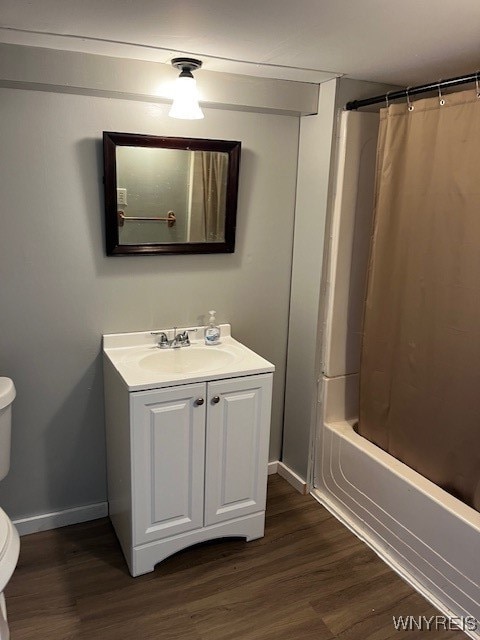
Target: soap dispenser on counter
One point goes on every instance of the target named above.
(212, 332)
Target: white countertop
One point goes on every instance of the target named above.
(126, 351)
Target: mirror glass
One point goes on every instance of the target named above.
(170, 195)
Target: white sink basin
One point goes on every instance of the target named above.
(187, 360)
(143, 365)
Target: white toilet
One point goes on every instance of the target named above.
(9, 540)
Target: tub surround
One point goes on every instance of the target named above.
(315, 188)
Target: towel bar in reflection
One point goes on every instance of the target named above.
(170, 219)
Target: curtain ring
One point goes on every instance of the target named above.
(441, 98)
(477, 83)
(386, 98)
(409, 103)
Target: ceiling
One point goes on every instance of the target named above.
(401, 42)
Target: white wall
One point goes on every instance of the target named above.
(60, 293)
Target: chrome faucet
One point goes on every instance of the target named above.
(181, 339)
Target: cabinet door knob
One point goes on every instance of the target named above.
(215, 399)
(199, 401)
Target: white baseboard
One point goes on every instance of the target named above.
(291, 477)
(57, 519)
(46, 521)
(272, 467)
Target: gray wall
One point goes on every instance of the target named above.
(316, 135)
(59, 292)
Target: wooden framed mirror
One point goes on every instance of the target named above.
(168, 195)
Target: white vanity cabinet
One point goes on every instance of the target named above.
(200, 455)
(187, 462)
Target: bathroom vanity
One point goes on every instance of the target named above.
(187, 442)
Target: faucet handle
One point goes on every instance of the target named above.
(183, 339)
(187, 333)
(162, 338)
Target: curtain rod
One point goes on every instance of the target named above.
(412, 91)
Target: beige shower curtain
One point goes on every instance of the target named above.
(210, 174)
(420, 371)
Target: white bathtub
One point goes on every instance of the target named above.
(425, 534)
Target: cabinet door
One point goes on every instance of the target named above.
(238, 430)
(168, 451)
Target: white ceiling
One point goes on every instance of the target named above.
(402, 42)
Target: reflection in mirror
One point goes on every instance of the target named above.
(191, 185)
(170, 195)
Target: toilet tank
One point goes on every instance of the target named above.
(7, 396)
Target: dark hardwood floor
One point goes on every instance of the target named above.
(308, 578)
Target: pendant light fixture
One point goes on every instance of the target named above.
(185, 102)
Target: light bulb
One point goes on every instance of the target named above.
(185, 103)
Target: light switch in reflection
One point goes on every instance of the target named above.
(121, 197)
